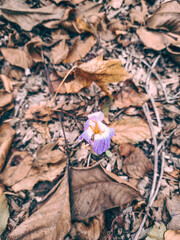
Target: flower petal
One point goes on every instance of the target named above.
(87, 134)
(96, 116)
(101, 144)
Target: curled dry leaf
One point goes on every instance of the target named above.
(20, 13)
(167, 17)
(137, 165)
(125, 149)
(6, 137)
(6, 83)
(172, 235)
(131, 130)
(5, 102)
(51, 221)
(59, 52)
(23, 173)
(138, 13)
(79, 49)
(130, 96)
(101, 72)
(33, 48)
(173, 207)
(4, 210)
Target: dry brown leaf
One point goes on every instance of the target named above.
(59, 52)
(4, 210)
(175, 146)
(33, 48)
(130, 96)
(138, 13)
(79, 49)
(42, 129)
(51, 221)
(17, 57)
(39, 112)
(137, 165)
(174, 52)
(6, 83)
(101, 72)
(116, 3)
(90, 230)
(125, 149)
(173, 207)
(15, 73)
(20, 13)
(167, 17)
(23, 173)
(46, 154)
(172, 235)
(156, 40)
(94, 190)
(131, 130)
(6, 137)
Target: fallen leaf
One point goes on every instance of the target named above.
(33, 48)
(17, 57)
(79, 49)
(156, 232)
(22, 172)
(156, 40)
(27, 18)
(6, 137)
(59, 52)
(6, 83)
(173, 207)
(174, 51)
(175, 146)
(130, 96)
(39, 112)
(42, 129)
(51, 221)
(4, 210)
(5, 99)
(138, 13)
(94, 190)
(101, 72)
(166, 17)
(131, 130)
(125, 149)
(116, 3)
(137, 165)
(172, 235)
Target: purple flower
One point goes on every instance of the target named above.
(97, 133)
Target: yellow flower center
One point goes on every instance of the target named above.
(96, 129)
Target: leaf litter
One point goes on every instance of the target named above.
(86, 51)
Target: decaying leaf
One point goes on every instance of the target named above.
(42, 129)
(94, 190)
(6, 137)
(138, 13)
(156, 40)
(116, 3)
(6, 83)
(4, 210)
(137, 165)
(20, 13)
(172, 235)
(156, 232)
(175, 147)
(59, 52)
(5, 102)
(125, 149)
(17, 57)
(167, 17)
(173, 207)
(33, 48)
(101, 72)
(88, 230)
(79, 49)
(23, 173)
(51, 221)
(39, 112)
(131, 130)
(130, 96)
